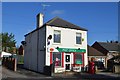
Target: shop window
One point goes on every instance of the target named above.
(57, 59)
(78, 59)
(78, 38)
(57, 36)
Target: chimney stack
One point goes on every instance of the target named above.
(40, 20)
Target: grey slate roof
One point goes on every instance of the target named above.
(110, 46)
(93, 52)
(58, 22)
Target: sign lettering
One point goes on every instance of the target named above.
(70, 50)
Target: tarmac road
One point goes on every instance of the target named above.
(23, 74)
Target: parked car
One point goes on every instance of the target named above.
(99, 64)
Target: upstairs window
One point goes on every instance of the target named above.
(78, 38)
(57, 36)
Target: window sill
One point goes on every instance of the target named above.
(56, 43)
(58, 66)
(78, 44)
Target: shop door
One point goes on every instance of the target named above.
(67, 62)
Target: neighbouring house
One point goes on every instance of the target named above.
(114, 64)
(20, 56)
(97, 55)
(110, 49)
(21, 50)
(55, 46)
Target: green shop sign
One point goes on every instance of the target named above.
(70, 50)
(78, 62)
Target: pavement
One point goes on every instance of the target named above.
(23, 74)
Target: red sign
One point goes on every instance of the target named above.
(51, 49)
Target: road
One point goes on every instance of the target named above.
(23, 74)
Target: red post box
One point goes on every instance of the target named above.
(91, 69)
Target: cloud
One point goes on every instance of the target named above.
(55, 12)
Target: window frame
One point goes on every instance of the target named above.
(80, 39)
(56, 53)
(54, 37)
(77, 59)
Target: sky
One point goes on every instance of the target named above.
(99, 18)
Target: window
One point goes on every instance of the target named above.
(67, 58)
(78, 38)
(57, 59)
(78, 59)
(57, 36)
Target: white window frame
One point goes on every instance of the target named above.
(60, 56)
(54, 37)
(76, 38)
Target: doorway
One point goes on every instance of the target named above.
(67, 61)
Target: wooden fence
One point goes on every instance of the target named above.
(10, 63)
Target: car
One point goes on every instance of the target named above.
(99, 64)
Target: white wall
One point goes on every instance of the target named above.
(34, 57)
(68, 40)
(41, 49)
(30, 60)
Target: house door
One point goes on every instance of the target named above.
(67, 61)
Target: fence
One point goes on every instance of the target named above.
(10, 63)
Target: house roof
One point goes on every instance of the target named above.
(93, 52)
(58, 22)
(110, 46)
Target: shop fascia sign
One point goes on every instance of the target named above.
(70, 50)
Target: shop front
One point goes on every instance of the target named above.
(67, 59)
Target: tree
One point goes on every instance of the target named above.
(8, 42)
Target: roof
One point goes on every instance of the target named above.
(93, 52)
(110, 46)
(58, 22)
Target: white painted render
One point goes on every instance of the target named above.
(34, 57)
(68, 40)
(30, 56)
(41, 49)
(37, 55)
(40, 20)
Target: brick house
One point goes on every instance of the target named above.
(97, 55)
(110, 49)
